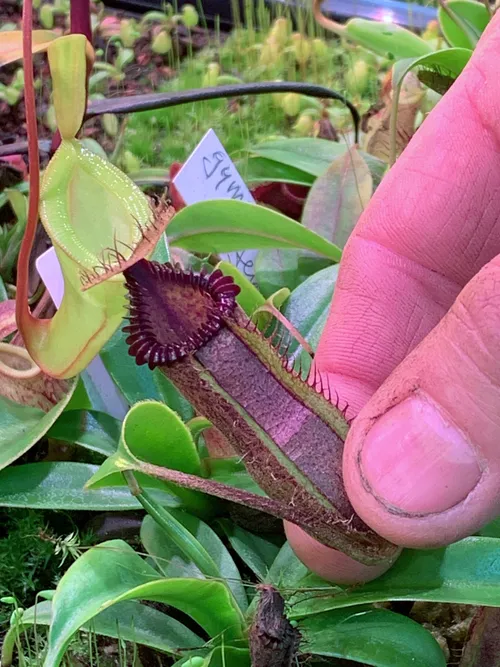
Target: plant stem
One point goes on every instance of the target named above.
(181, 537)
(80, 18)
(23, 315)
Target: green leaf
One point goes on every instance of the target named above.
(60, 486)
(262, 170)
(276, 268)
(93, 430)
(287, 570)
(249, 297)
(491, 529)
(309, 304)
(153, 433)
(113, 572)
(150, 176)
(171, 562)
(21, 426)
(3, 291)
(450, 62)
(128, 621)
(138, 383)
(232, 472)
(226, 225)
(313, 156)
(473, 15)
(467, 572)
(338, 197)
(371, 636)
(257, 552)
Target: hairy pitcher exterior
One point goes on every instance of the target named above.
(289, 435)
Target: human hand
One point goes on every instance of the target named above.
(412, 343)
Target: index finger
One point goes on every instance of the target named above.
(432, 224)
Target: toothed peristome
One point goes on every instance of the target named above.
(174, 312)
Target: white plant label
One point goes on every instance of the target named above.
(209, 173)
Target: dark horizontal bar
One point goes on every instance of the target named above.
(134, 103)
(409, 14)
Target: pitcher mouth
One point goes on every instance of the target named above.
(174, 312)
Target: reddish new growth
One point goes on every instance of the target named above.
(174, 312)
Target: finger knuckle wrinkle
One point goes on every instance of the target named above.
(478, 306)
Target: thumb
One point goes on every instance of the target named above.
(422, 459)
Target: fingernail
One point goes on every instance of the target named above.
(414, 459)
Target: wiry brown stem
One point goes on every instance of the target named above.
(23, 314)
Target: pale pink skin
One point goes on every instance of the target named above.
(415, 326)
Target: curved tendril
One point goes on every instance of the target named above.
(325, 22)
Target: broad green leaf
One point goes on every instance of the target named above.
(96, 431)
(3, 290)
(474, 16)
(287, 570)
(113, 572)
(338, 197)
(22, 426)
(372, 637)
(386, 39)
(61, 486)
(449, 61)
(249, 297)
(226, 225)
(128, 621)
(153, 433)
(232, 472)
(81, 398)
(491, 529)
(309, 304)
(171, 562)
(313, 156)
(276, 268)
(11, 43)
(138, 383)
(467, 572)
(263, 170)
(256, 551)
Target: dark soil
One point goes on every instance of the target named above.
(144, 75)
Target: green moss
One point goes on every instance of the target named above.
(27, 562)
(164, 136)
